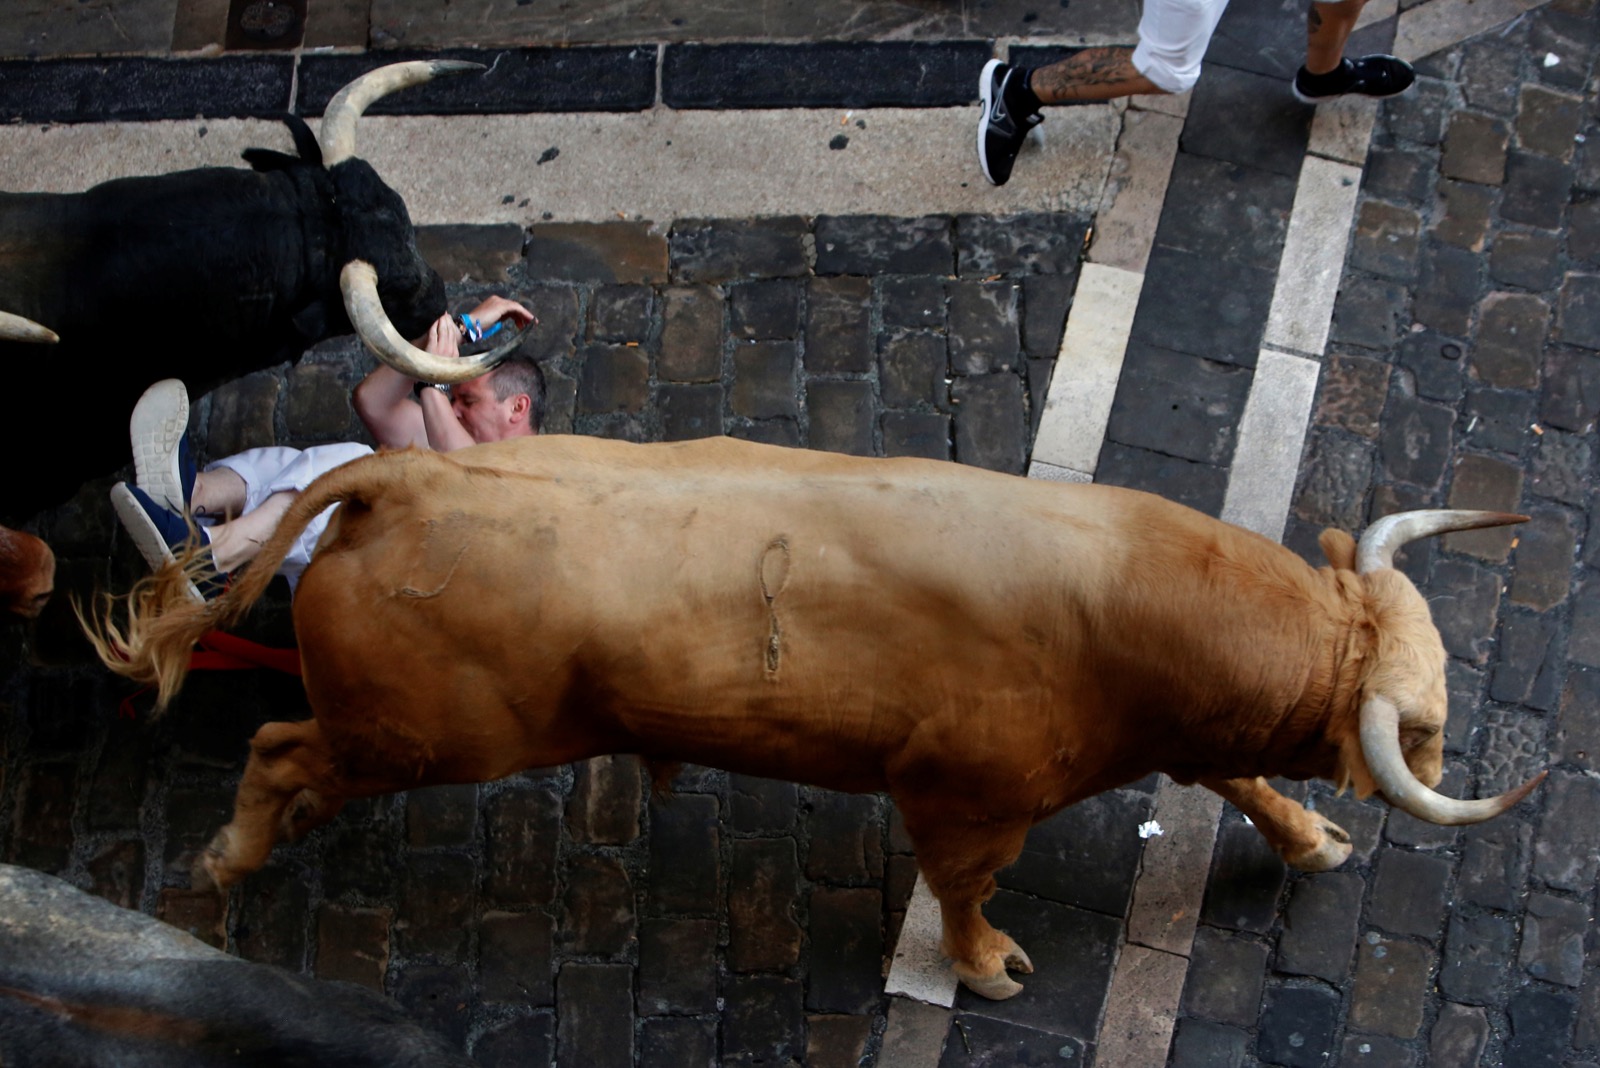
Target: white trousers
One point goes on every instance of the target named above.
(280, 469)
(1173, 35)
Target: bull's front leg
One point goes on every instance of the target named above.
(1304, 839)
(959, 861)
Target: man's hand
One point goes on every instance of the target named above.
(443, 337)
(494, 309)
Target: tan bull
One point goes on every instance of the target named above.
(985, 648)
(27, 574)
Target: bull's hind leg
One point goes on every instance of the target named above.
(286, 760)
(1304, 839)
(959, 862)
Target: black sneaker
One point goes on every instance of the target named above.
(1000, 130)
(1375, 76)
(158, 533)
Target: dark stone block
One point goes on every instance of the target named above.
(1563, 467)
(1528, 663)
(1046, 299)
(1475, 148)
(137, 89)
(1391, 982)
(1202, 1044)
(1511, 332)
(116, 790)
(594, 1015)
(1246, 118)
(481, 253)
(836, 1041)
(1072, 952)
(1435, 365)
(1571, 396)
(622, 313)
(1297, 1026)
(841, 416)
(1536, 190)
(764, 1023)
(685, 844)
(984, 327)
(916, 434)
(1224, 210)
(980, 1042)
(691, 334)
(1541, 1028)
(991, 422)
(1552, 939)
(1578, 321)
(821, 75)
(1447, 289)
(353, 945)
(1036, 243)
(1352, 395)
(241, 416)
(782, 431)
(1086, 855)
(1577, 730)
(763, 892)
(514, 955)
(116, 873)
(846, 936)
(1400, 173)
(630, 253)
(437, 902)
(912, 370)
(1372, 1051)
(677, 1042)
(1319, 925)
(1386, 240)
(764, 380)
(677, 966)
(1335, 483)
(271, 928)
(1494, 863)
(1246, 879)
(1261, 37)
(845, 833)
(1491, 68)
(838, 338)
(1567, 850)
(597, 909)
(885, 244)
(520, 1042)
(1368, 312)
(1477, 947)
(613, 378)
(523, 828)
(1179, 405)
(1410, 894)
(604, 806)
(916, 302)
(1465, 223)
(1458, 1035)
(317, 403)
(1493, 485)
(520, 80)
(1200, 486)
(1499, 420)
(726, 250)
(1416, 440)
(1546, 548)
(761, 805)
(1232, 297)
(437, 996)
(442, 816)
(765, 309)
(1418, 116)
(1526, 258)
(1225, 976)
(690, 411)
(556, 336)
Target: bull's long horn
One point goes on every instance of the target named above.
(359, 283)
(16, 328)
(1377, 546)
(338, 137)
(1380, 744)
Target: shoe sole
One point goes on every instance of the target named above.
(146, 538)
(985, 80)
(159, 421)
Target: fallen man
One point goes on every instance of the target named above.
(987, 649)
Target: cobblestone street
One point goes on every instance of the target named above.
(573, 915)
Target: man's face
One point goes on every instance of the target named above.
(484, 417)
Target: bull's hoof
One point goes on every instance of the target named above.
(1332, 851)
(210, 870)
(996, 987)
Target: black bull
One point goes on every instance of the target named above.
(204, 275)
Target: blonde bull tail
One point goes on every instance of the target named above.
(163, 620)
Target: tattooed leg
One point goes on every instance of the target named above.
(1092, 74)
(1328, 27)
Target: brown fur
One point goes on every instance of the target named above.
(882, 625)
(27, 573)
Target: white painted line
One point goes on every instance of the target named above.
(1271, 433)
(1313, 256)
(1052, 473)
(1078, 407)
(657, 165)
(920, 969)
(1376, 11)
(1125, 224)
(1439, 24)
(1342, 129)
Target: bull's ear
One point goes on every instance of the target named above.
(1339, 547)
(311, 322)
(305, 142)
(266, 159)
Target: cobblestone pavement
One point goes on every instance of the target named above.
(570, 916)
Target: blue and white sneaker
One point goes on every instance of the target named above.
(159, 431)
(158, 533)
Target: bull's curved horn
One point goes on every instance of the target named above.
(338, 136)
(359, 283)
(16, 328)
(1377, 546)
(1380, 744)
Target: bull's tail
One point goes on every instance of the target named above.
(163, 618)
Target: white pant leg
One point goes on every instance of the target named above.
(1173, 35)
(280, 469)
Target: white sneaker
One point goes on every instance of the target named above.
(157, 429)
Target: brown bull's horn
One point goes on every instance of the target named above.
(338, 137)
(359, 283)
(16, 328)
(1377, 546)
(1380, 744)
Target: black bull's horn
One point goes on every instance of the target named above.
(1380, 718)
(358, 281)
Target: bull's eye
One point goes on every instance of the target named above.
(1411, 737)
